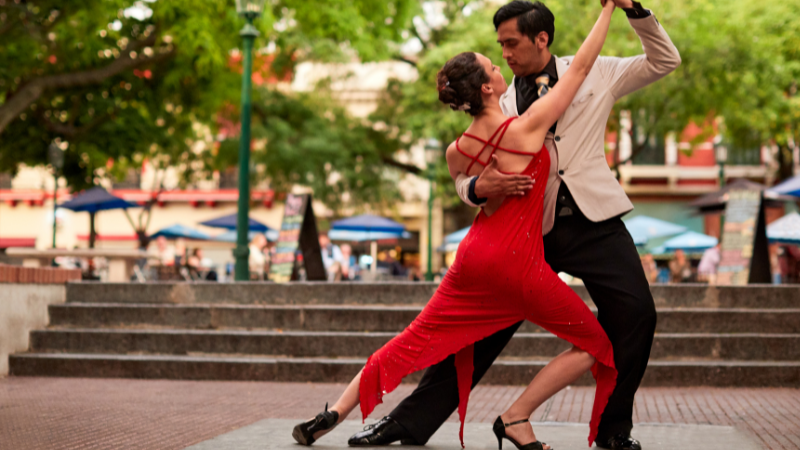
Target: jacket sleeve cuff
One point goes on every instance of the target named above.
(637, 12)
(472, 197)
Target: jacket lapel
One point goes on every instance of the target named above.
(508, 101)
(561, 70)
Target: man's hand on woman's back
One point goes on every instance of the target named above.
(493, 183)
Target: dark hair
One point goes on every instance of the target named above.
(532, 18)
(459, 83)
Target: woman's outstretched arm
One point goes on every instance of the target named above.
(545, 112)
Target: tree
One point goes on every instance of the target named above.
(740, 63)
(117, 81)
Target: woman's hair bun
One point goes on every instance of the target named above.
(459, 83)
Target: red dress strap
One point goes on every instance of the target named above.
(485, 144)
(505, 128)
(495, 146)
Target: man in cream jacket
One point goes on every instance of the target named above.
(583, 232)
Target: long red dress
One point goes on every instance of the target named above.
(499, 278)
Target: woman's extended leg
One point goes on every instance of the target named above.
(349, 399)
(560, 372)
(306, 433)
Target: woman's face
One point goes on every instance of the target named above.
(496, 80)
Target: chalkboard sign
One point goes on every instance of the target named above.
(744, 257)
(298, 235)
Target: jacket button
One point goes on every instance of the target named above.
(558, 138)
(561, 172)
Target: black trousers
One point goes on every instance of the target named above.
(603, 255)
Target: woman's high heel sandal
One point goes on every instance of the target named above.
(499, 429)
(304, 432)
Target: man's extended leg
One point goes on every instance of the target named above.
(436, 397)
(604, 257)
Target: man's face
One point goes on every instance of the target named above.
(522, 55)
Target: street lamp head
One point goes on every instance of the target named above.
(56, 156)
(249, 9)
(722, 154)
(432, 150)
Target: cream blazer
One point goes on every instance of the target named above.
(577, 149)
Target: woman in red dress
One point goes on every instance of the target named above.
(500, 275)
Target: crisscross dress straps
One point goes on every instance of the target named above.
(495, 146)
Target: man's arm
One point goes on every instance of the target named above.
(475, 191)
(626, 75)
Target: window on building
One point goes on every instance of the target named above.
(229, 178)
(132, 180)
(744, 156)
(652, 152)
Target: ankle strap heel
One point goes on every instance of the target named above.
(499, 429)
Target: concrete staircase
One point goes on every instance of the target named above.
(723, 336)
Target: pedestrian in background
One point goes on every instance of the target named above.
(331, 257)
(707, 270)
(650, 268)
(257, 260)
(680, 268)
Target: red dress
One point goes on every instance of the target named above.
(499, 278)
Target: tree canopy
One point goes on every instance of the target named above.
(122, 80)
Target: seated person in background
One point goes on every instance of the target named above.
(349, 268)
(650, 268)
(201, 267)
(707, 270)
(680, 268)
(165, 252)
(331, 256)
(257, 261)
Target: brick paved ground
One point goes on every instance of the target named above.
(74, 413)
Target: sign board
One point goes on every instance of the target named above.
(298, 236)
(744, 257)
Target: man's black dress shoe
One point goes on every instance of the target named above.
(384, 432)
(621, 442)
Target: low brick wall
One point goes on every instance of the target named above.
(37, 275)
(23, 307)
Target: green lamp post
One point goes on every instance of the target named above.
(431, 153)
(56, 157)
(721, 155)
(249, 9)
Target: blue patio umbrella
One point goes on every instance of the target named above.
(229, 222)
(452, 240)
(180, 231)
(691, 241)
(359, 236)
(788, 187)
(644, 228)
(94, 200)
(785, 230)
(231, 236)
(368, 223)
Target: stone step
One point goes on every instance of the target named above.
(381, 318)
(507, 372)
(744, 346)
(410, 293)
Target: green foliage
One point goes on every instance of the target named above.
(308, 139)
(740, 63)
(68, 74)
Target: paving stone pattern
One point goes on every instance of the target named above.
(77, 413)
